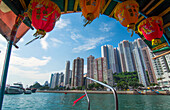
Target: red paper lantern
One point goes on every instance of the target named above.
(152, 29)
(44, 14)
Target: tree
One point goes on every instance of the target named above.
(36, 85)
(153, 84)
(79, 88)
(44, 88)
(97, 86)
(91, 86)
(122, 85)
(56, 88)
(73, 88)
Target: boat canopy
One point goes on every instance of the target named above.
(146, 8)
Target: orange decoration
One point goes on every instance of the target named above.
(91, 9)
(152, 29)
(127, 14)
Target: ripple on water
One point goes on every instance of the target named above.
(61, 101)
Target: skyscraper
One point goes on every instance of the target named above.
(140, 66)
(122, 58)
(117, 62)
(165, 65)
(61, 79)
(51, 79)
(90, 68)
(101, 73)
(77, 72)
(111, 57)
(128, 56)
(149, 65)
(55, 80)
(67, 73)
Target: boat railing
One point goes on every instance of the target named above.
(113, 90)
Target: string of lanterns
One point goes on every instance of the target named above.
(45, 13)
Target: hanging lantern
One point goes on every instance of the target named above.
(43, 14)
(127, 14)
(152, 29)
(91, 9)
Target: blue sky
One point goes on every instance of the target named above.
(67, 41)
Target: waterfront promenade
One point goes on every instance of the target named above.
(108, 92)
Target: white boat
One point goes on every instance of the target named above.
(27, 91)
(16, 88)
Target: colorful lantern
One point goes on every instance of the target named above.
(152, 29)
(91, 9)
(44, 14)
(127, 13)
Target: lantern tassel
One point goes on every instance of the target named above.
(40, 33)
(88, 22)
(32, 40)
(132, 27)
(156, 42)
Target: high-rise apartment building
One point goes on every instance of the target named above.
(101, 73)
(140, 66)
(77, 72)
(122, 58)
(149, 65)
(61, 79)
(111, 57)
(51, 79)
(165, 65)
(117, 62)
(67, 73)
(90, 68)
(128, 56)
(55, 80)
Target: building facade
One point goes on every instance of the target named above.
(67, 73)
(101, 73)
(90, 68)
(77, 72)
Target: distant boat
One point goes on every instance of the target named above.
(33, 90)
(27, 91)
(16, 88)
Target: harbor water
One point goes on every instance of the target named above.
(61, 101)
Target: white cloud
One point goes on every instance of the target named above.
(62, 23)
(56, 40)
(75, 36)
(27, 77)
(44, 43)
(29, 62)
(21, 40)
(2, 39)
(104, 27)
(89, 44)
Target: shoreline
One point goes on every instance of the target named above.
(107, 92)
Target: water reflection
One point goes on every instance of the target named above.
(61, 101)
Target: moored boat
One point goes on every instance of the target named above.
(27, 91)
(16, 88)
(33, 90)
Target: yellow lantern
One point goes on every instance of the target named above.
(127, 13)
(91, 9)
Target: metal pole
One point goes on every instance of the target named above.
(114, 92)
(87, 100)
(5, 71)
(18, 21)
